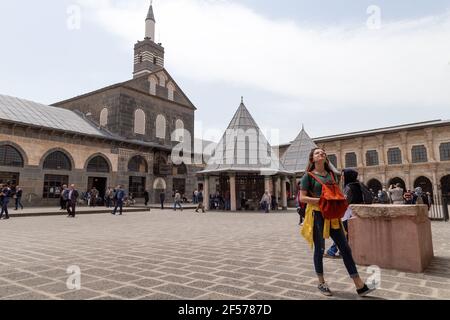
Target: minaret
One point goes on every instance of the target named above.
(150, 24)
(148, 55)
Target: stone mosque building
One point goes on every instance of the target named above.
(122, 134)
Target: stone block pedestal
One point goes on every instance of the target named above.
(391, 237)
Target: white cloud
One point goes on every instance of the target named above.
(406, 63)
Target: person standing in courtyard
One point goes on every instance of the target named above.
(408, 197)
(265, 202)
(109, 196)
(72, 198)
(200, 201)
(353, 191)
(146, 197)
(162, 199)
(5, 195)
(94, 197)
(63, 198)
(396, 194)
(317, 228)
(18, 197)
(119, 199)
(177, 201)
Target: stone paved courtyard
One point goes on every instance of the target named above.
(167, 255)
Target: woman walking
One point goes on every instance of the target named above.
(317, 228)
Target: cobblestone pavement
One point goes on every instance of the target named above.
(168, 255)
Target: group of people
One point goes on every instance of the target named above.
(398, 195)
(113, 198)
(8, 191)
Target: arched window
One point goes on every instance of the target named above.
(333, 159)
(351, 160)
(444, 150)
(171, 91)
(139, 122)
(153, 82)
(162, 79)
(419, 154)
(161, 127)
(394, 156)
(57, 161)
(104, 117)
(138, 164)
(372, 158)
(98, 164)
(179, 126)
(10, 157)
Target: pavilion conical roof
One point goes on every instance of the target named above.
(244, 148)
(296, 157)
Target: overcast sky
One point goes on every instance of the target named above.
(335, 66)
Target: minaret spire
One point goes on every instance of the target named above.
(150, 23)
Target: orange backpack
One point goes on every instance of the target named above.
(332, 203)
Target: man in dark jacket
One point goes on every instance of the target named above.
(146, 197)
(120, 197)
(18, 196)
(5, 195)
(162, 199)
(72, 198)
(200, 202)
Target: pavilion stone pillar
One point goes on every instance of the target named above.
(206, 193)
(267, 183)
(277, 189)
(233, 192)
(283, 194)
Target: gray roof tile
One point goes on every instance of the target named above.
(32, 113)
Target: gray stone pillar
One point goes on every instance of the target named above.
(277, 189)
(233, 193)
(206, 193)
(283, 194)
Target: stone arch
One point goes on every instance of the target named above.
(139, 122)
(375, 185)
(153, 83)
(92, 157)
(162, 79)
(138, 164)
(19, 149)
(424, 183)
(104, 117)
(396, 180)
(445, 186)
(181, 169)
(159, 184)
(179, 127)
(64, 151)
(171, 91)
(161, 126)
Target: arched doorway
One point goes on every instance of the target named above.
(445, 186)
(137, 183)
(375, 185)
(425, 184)
(98, 169)
(395, 181)
(159, 186)
(10, 157)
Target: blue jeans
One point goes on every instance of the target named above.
(175, 205)
(19, 203)
(334, 249)
(338, 237)
(119, 205)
